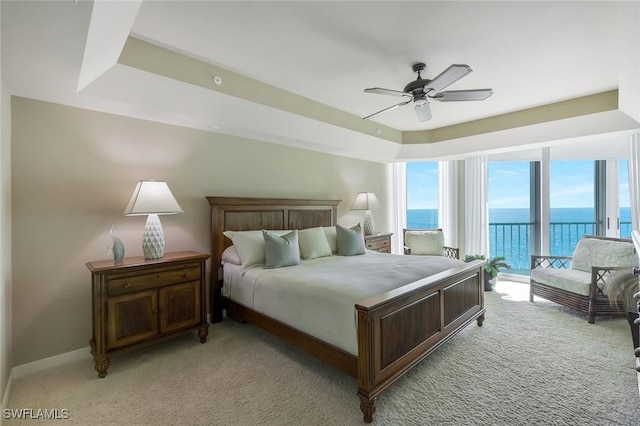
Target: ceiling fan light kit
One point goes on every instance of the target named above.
(421, 90)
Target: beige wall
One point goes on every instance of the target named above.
(73, 172)
(5, 239)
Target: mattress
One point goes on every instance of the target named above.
(318, 296)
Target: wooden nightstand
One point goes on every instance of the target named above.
(379, 242)
(139, 302)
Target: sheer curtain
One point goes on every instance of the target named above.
(634, 180)
(398, 205)
(448, 201)
(476, 206)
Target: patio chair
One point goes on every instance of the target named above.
(427, 242)
(580, 281)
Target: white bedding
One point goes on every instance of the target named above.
(319, 296)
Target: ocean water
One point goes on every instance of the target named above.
(510, 232)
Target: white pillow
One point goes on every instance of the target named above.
(332, 237)
(230, 255)
(313, 243)
(250, 245)
(425, 242)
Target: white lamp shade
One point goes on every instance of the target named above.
(152, 197)
(365, 201)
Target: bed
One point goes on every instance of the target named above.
(395, 330)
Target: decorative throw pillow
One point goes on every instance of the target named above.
(313, 243)
(281, 251)
(250, 245)
(350, 240)
(425, 242)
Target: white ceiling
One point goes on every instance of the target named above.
(530, 53)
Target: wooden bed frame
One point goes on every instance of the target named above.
(396, 330)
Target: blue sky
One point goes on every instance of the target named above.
(571, 184)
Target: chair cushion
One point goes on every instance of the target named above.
(571, 280)
(428, 242)
(595, 252)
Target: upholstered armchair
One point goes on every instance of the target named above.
(427, 242)
(580, 281)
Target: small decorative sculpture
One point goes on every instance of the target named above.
(118, 247)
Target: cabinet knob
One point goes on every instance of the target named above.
(154, 312)
(186, 275)
(126, 285)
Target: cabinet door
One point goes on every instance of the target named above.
(179, 306)
(132, 318)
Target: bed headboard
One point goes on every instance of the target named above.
(245, 214)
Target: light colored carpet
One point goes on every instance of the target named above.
(531, 363)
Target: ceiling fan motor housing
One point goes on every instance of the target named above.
(418, 84)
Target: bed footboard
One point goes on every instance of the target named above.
(400, 328)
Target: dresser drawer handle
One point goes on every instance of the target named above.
(186, 276)
(126, 285)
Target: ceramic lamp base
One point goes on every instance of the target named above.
(153, 238)
(368, 225)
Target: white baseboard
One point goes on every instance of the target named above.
(514, 277)
(46, 363)
(54, 361)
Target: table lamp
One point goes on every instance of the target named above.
(366, 201)
(152, 198)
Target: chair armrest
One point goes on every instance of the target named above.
(546, 261)
(452, 252)
(599, 273)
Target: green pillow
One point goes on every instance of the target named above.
(350, 240)
(280, 251)
(313, 243)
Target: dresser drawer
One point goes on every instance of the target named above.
(127, 283)
(378, 244)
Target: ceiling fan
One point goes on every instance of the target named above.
(421, 90)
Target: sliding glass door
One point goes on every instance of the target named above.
(510, 214)
(573, 206)
(422, 195)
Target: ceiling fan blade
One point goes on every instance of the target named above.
(423, 111)
(462, 95)
(452, 74)
(387, 109)
(382, 91)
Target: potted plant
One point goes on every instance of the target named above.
(491, 268)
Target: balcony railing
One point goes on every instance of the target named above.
(513, 240)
